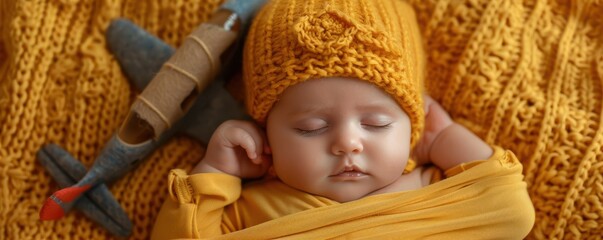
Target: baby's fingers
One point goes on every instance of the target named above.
(249, 137)
(239, 137)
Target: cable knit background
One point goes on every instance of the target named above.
(527, 75)
(523, 74)
(59, 83)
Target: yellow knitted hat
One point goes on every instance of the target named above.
(373, 40)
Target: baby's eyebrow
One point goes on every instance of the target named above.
(378, 106)
(312, 109)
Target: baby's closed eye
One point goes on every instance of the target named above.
(311, 126)
(377, 122)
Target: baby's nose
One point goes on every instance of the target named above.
(347, 140)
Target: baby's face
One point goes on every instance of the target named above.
(339, 138)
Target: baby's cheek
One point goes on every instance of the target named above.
(391, 158)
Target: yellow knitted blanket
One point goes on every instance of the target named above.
(59, 83)
(524, 74)
(527, 75)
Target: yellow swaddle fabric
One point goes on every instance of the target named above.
(487, 201)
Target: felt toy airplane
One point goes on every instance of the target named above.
(196, 104)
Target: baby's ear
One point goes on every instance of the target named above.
(267, 149)
(271, 173)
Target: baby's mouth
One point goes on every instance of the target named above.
(349, 172)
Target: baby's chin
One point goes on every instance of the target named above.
(345, 196)
(338, 196)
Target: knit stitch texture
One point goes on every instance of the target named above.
(59, 83)
(525, 74)
(375, 41)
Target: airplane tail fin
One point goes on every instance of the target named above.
(61, 202)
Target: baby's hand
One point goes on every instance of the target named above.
(238, 148)
(436, 120)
